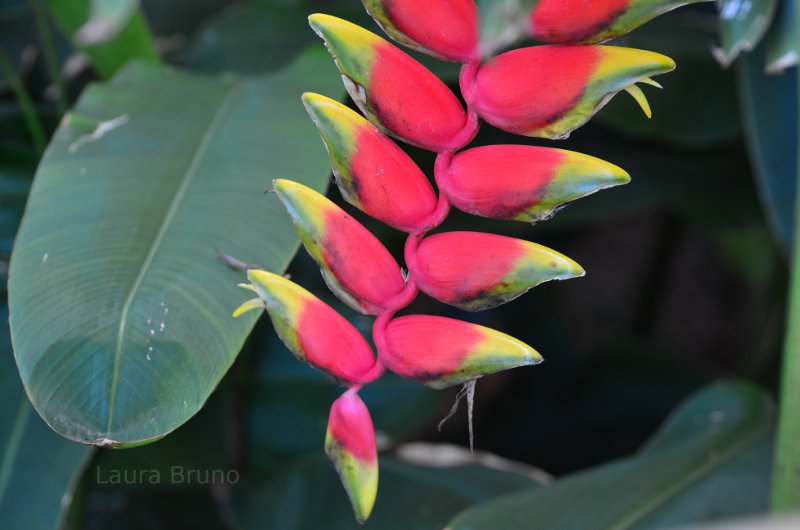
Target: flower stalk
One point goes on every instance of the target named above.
(545, 91)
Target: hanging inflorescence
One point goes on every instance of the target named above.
(543, 91)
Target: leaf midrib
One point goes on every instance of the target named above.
(675, 487)
(186, 181)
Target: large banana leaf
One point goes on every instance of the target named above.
(783, 39)
(711, 460)
(121, 313)
(770, 113)
(38, 468)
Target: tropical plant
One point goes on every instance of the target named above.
(541, 91)
(147, 210)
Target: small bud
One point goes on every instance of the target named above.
(578, 21)
(355, 265)
(393, 90)
(372, 172)
(350, 446)
(312, 330)
(443, 352)
(524, 183)
(447, 29)
(475, 271)
(549, 91)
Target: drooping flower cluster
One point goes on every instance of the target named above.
(543, 91)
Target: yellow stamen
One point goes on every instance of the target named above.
(638, 95)
(247, 286)
(253, 303)
(648, 81)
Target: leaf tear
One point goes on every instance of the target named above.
(103, 128)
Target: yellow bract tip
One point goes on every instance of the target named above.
(312, 98)
(329, 27)
(262, 277)
(329, 114)
(638, 95)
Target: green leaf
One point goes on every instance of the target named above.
(130, 41)
(121, 311)
(742, 25)
(790, 522)
(106, 19)
(710, 460)
(770, 111)
(236, 40)
(783, 40)
(309, 496)
(39, 470)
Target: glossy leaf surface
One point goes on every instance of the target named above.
(783, 39)
(767, 100)
(742, 26)
(39, 470)
(120, 308)
(710, 460)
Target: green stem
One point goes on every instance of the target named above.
(49, 51)
(24, 100)
(786, 475)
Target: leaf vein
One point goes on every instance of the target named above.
(200, 153)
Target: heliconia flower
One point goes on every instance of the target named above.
(579, 21)
(475, 271)
(355, 265)
(350, 445)
(372, 172)
(395, 92)
(442, 352)
(312, 330)
(447, 29)
(524, 183)
(549, 91)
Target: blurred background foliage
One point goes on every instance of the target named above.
(686, 283)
